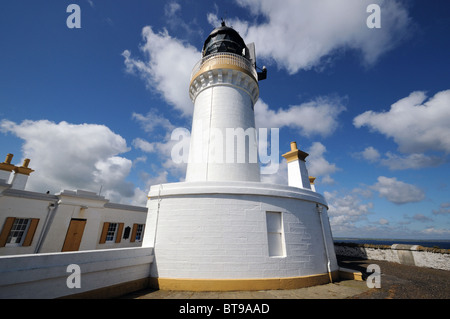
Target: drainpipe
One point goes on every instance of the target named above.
(320, 210)
(47, 223)
(157, 216)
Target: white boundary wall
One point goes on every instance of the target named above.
(45, 275)
(402, 254)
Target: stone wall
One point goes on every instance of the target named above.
(404, 254)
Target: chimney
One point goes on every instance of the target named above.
(6, 168)
(311, 182)
(297, 172)
(21, 174)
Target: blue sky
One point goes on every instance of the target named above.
(94, 107)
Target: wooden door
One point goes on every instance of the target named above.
(74, 235)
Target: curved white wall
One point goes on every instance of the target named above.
(220, 114)
(219, 231)
(223, 113)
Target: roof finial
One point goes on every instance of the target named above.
(223, 22)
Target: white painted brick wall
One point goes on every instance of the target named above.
(225, 236)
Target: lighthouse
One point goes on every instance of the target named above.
(222, 228)
(224, 90)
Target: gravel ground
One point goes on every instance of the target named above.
(402, 281)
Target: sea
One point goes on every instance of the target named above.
(432, 243)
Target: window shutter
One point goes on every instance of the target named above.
(5, 231)
(30, 233)
(104, 233)
(119, 233)
(133, 233)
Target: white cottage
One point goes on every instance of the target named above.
(32, 222)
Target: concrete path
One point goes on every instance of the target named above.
(397, 282)
(338, 290)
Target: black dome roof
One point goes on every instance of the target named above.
(223, 39)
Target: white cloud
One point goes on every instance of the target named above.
(315, 117)
(370, 154)
(111, 174)
(415, 123)
(345, 211)
(444, 209)
(171, 9)
(144, 145)
(300, 34)
(421, 218)
(318, 166)
(152, 120)
(139, 159)
(74, 156)
(397, 192)
(436, 231)
(411, 161)
(173, 17)
(163, 149)
(399, 162)
(166, 67)
(280, 177)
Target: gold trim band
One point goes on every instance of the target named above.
(181, 284)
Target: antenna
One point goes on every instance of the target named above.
(224, 19)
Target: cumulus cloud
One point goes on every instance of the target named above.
(397, 192)
(166, 67)
(317, 117)
(174, 19)
(444, 209)
(345, 211)
(318, 166)
(152, 120)
(301, 34)
(370, 154)
(74, 156)
(411, 161)
(399, 161)
(144, 145)
(163, 150)
(422, 218)
(279, 177)
(436, 231)
(415, 123)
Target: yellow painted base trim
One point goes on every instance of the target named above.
(350, 274)
(181, 284)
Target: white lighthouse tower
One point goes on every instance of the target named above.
(224, 89)
(223, 229)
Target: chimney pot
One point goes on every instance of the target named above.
(294, 146)
(9, 158)
(26, 162)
